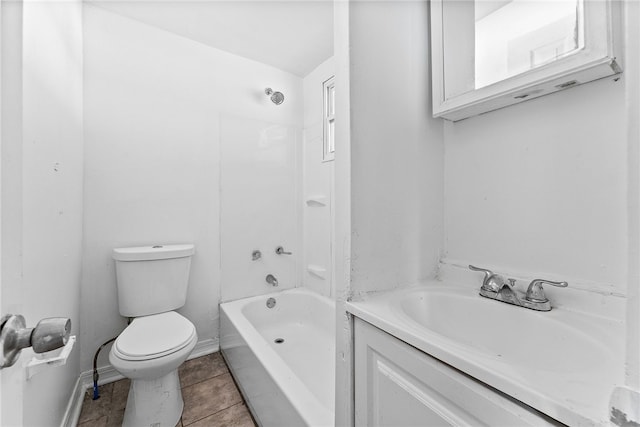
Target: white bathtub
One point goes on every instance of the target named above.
(291, 383)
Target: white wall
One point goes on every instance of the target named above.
(389, 162)
(396, 148)
(156, 108)
(52, 169)
(541, 188)
(632, 65)
(259, 198)
(11, 298)
(317, 183)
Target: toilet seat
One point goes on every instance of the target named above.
(154, 336)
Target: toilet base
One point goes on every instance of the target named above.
(154, 403)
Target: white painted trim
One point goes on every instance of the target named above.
(204, 347)
(327, 154)
(107, 374)
(341, 215)
(632, 370)
(72, 413)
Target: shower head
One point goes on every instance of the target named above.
(276, 97)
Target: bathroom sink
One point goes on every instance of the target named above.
(541, 341)
(563, 363)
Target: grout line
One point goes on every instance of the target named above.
(206, 379)
(217, 412)
(244, 401)
(237, 390)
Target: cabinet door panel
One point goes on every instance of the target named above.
(398, 398)
(398, 385)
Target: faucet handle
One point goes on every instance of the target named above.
(489, 283)
(535, 293)
(487, 273)
(512, 282)
(280, 251)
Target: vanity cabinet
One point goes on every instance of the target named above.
(399, 385)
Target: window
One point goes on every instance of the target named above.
(329, 116)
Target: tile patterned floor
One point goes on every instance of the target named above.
(211, 398)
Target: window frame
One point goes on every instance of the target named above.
(328, 119)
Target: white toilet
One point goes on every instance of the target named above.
(152, 281)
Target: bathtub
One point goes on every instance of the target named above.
(282, 358)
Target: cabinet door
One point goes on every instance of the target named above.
(397, 385)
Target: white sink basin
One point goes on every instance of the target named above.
(563, 363)
(519, 336)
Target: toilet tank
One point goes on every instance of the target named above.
(152, 279)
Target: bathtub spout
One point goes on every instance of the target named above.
(271, 279)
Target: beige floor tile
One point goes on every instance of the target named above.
(99, 422)
(196, 370)
(93, 410)
(115, 418)
(120, 394)
(235, 416)
(208, 397)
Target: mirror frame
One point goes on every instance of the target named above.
(598, 59)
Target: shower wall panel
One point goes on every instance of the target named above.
(259, 205)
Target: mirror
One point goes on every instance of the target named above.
(488, 54)
(512, 37)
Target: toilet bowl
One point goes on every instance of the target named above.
(149, 352)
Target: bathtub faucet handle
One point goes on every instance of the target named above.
(280, 251)
(271, 279)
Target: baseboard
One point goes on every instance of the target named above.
(107, 374)
(72, 413)
(204, 347)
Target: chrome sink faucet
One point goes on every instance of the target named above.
(495, 287)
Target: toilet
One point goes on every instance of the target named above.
(152, 282)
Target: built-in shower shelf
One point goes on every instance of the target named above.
(317, 270)
(317, 201)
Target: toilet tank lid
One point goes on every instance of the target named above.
(156, 252)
